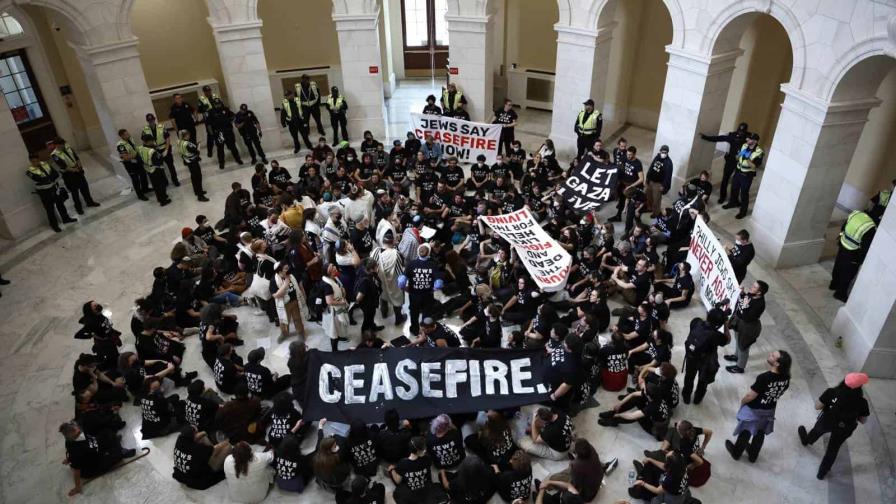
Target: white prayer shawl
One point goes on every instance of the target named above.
(281, 302)
(391, 266)
(358, 208)
(242, 248)
(336, 317)
(408, 245)
(382, 228)
(261, 286)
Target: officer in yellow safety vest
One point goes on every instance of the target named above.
(127, 153)
(291, 117)
(748, 160)
(152, 158)
(162, 141)
(69, 165)
(206, 103)
(189, 153)
(309, 96)
(879, 203)
(45, 179)
(452, 98)
(855, 240)
(337, 106)
(588, 124)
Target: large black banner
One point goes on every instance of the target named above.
(589, 185)
(421, 382)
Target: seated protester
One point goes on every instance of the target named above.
(515, 482)
(215, 329)
(198, 462)
(620, 256)
(649, 407)
(516, 157)
(397, 174)
(492, 333)
(683, 439)
(286, 420)
(103, 389)
(663, 481)
(90, 456)
(263, 195)
(249, 474)
(330, 462)
(636, 332)
(412, 476)
(156, 344)
(136, 371)
(279, 176)
(201, 406)
(161, 415)
(321, 150)
(392, 439)
(521, 307)
(500, 188)
(659, 310)
(418, 165)
(500, 275)
(106, 339)
(445, 442)
(539, 329)
(585, 471)
(218, 289)
(480, 176)
(362, 491)
(516, 340)
(493, 443)
(613, 358)
(307, 165)
(664, 376)
(206, 232)
(293, 470)
(590, 370)
(411, 145)
(187, 306)
(565, 374)
(678, 290)
(471, 484)
(658, 349)
(453, 175)
(362, 449)
(261, 381)
(436, 334)
(703, 185)
(534, 201)
(228, 369)
(366, 169)
(550, 436)
(240, 419)
(634, 284)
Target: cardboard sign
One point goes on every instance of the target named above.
(464, 139)
(713, 275)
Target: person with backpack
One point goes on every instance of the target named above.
(842, 409)
(701, 358)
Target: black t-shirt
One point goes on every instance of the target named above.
(393, 445)
(288, 468)
(191, 464)
(684, 283)
(200, 412)
(453, 175)
(500, 170)
(480, 172)
(442, 332)
(659, 353)
(415, 475)
(421, 274)
(613, 359)
(427, 182)
(280, 177)
(770, 387)
(225, 375)
(85, 455)
(642, 285)
(447, 451)
(558, 434)
(842, 407)
(565, 367)
(514, 485)
(505, 117)
(258, 378)
(363, 455)
(156, 415)
(183, 116)
(674, 483)
(630, 171)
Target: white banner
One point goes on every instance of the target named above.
(464, 139)
(714, 276)
(544, 258)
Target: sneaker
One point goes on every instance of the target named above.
(734, 369)
(804, 436)
(615, 218)
(203, 198)
(820, 475)
(730, 358)
(611, 465)
(686, 399)
(631, 389)
(740, 215)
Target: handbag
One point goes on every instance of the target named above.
(698, 476)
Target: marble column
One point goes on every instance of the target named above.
(572, 83)
(470, 51)
(20, 211)
(361, 63)
(867, 322)
(600, 78)
(246, 75)
(813, 145)
(693, 102)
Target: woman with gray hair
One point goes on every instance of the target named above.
(445, 442)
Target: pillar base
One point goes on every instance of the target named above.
(780, 254)
(860, 352)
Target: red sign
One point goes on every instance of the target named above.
(452, 70)
(374, 69)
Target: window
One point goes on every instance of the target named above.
(9, 25)
(15, 82)
(440, 8)
(416, 23)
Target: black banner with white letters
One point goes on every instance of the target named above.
(589, 185)
(421, 382)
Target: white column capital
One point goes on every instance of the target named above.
(702, 64)
(824, 113)
(111, 52)
(576, 36)
(605, 32)
(468, 24)
(355, 22)
(236, 31)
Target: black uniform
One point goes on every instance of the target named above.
(66, 159)
(161, 135)
(183, 118)
(338, 108)
(734, 139)
(291, 116)
(309, 96)
(189, 153)
(220, 120)
(701, 358)
(127, 148)
(250, 129)
(843, 407)
(45, 179)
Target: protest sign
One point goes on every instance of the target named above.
(464, 139)
(713, 275)
(543, 257)
(421, 382)
(589, 185)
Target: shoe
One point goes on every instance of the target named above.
(203, 198)
(93, 204)
(840, 297)
(608, 422)
(804, 436)
(630, 389)
(639, 467)
(615, 218)
(730, 447)
(820, 475)
(220, 167)
(264, 161)
(734, 369)
(176, 183)
(130, 452)
(731, 358)
(190, 376)
(606, 414)
(237, 342)
(295, 150)
(730, 206)
(686, 399)
(831, 286)
(378, 327)
(400, 319)
(240, 162)
(740, 215)
(4, 281)
(69, 221)
(722, 199)
(621, 396)
(164, 203)
(697, 401)
(80, 211)
(57, 229)
(253, 161)
(142, 198)
(611, 465)
(752, 458)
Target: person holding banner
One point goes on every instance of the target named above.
(659, 180)
(431, 108)
(701, 358)
(631, 177)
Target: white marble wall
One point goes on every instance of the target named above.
(359, 50)
(572, 83)
(20, 211)
(470, 51)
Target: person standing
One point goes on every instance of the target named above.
(337, 107)
(879, 203)
(206, 100)
(291, 117)
(309, 96)
(842, 409)
(855, 240)
(250, 130)
(741, 254)
(746, 324)
(45, 179)
(588, 125)
(220, 120)
(421, 278)
(336, 315)
(127, 152)
(452, 98)
(390, 266)
(69, 164)
(152, 158)
(756, 416)
(659, 180)
(749, 159)
(183, 115)
(507, 118)
(631, 176)
(162, 141)
(189, 153)
(701, 358)
(735, 139)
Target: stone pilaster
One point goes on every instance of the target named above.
(20, 211)
(572, 83)
(471, 53)
(359, 52)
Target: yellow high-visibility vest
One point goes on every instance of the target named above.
(857, 224)
(589, 126)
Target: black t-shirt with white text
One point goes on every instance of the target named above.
(769, 387)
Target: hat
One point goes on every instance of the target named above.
(855, 380)
(417, 219)
(186, 260)
(185, 232)
(328, 196)
(380, 192)
(664, 148)
(150, 116)
(589, 101)
(428, 321)
(396, 142)
(754, 136)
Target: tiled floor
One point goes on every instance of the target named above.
(108, 257)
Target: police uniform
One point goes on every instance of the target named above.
(162, 139)
(451, 102)
(879, 204)
(220, 120)
(748, 160)
(842, 408)
(734, 139)
(152, 159)
(182, 115)
(855, 239)
(127, 151)
(205, 106)
(338, 108)
(291, 117)
(309, 97)
(189, 153)
(250, 129)
(588, 126)
(45, 179)
(68, 163)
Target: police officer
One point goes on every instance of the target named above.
(749, 158)
(69, 164)
(162, 143)
(451, 100)
(842, 408)
(701, 356)
(879, 203)
(183, 115)
(250, 129)
(735, 139)
(127, 152)
(588, 124)
(189, 153)
(220, 120)
(291, 117)
(338, 107)
(152, 158)
(855, 240)
(45, 179)
(309, 96)
(206, 100)
(421, 278)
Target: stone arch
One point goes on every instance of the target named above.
(232, 11)
(678, 24)
(860, 54)
(570, 8)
